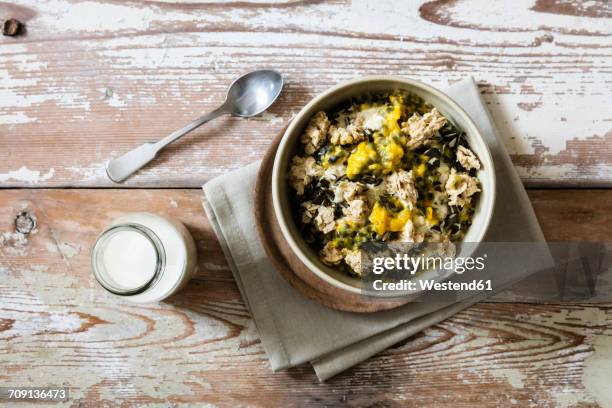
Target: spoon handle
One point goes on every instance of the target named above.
(124, 166)
(177, 134)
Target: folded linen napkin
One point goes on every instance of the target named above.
(296, 330)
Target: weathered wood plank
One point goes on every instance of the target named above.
(574, 215)
(57, 325)
(91, 80)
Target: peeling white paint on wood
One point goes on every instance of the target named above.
(57, 321)
(27, 176)
(597, 369)
(544, 75)
(92, 79)
(69, 249)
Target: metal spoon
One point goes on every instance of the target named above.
(247, 96)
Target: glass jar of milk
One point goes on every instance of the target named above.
(144, 257)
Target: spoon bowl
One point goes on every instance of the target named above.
(253, 93)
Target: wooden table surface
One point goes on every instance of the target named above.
(89, 80)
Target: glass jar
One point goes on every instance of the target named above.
(145, 257)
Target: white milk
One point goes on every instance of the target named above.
(144, 257)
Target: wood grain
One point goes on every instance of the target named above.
(201, 347)
(91, 80)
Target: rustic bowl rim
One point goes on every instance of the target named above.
(351, 87)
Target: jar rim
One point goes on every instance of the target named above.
(160, 261)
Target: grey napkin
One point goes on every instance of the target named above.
(296, 330)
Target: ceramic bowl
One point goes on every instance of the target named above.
(328, 100)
